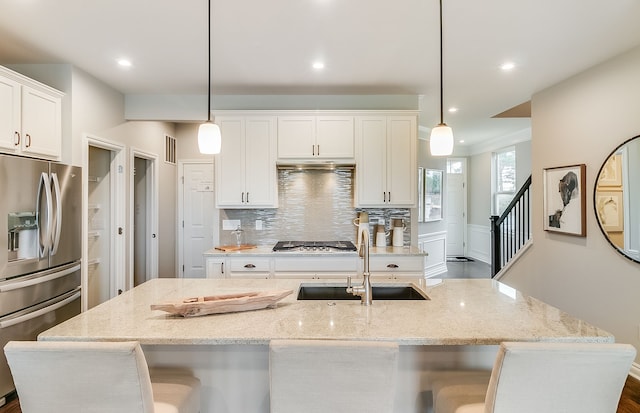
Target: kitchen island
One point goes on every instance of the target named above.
(458, 327)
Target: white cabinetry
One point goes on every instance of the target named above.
(246, 165)
(30, 117)
(214, 267)
(386, 162)
(249, 267)
(393, 267)
(315, 267)
(315, 137)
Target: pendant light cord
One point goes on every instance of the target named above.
(441, 81)
(209, 53)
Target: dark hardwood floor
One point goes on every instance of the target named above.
(629, 401)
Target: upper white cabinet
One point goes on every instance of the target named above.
(246, 165)
(30, 117)
(315, 137)
(386, 161)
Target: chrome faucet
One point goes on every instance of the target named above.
(364, 290)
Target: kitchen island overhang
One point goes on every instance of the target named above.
(459, 327)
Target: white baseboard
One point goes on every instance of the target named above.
(635, 371)
(479, 243)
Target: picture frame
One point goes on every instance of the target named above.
(433, 195)
(420, 194)
(564, 199)
(611, 173)
(610, 210)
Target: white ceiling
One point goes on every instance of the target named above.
(369, 47)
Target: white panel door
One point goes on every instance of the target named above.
(9, 115)
(230, 163)
(401, 160)
(198, 218)
(371, 138)
(41, 123)
(455, 210)
(296, 137)
(334, 137)
(260, 172)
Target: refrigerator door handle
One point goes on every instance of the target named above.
(40, 312)
(38, 280)
(58, 217)
(46, 239)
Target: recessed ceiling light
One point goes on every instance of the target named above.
(318, 65)
(124, 62)
(453, 109)
(506, 66)
(461, 141)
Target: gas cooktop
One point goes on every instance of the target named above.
(314, 246)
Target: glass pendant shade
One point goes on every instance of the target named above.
(209, 138)
(441, 140)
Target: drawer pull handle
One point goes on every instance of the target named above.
(249, 266)
(16, 142)
(392, 265)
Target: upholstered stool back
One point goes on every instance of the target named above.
(332, 376)
(544, 377)
(92, 377)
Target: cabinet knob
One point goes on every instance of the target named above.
(249, 266)
(392, 265)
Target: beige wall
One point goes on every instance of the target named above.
(581, 120)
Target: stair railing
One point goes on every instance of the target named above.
(511, 230)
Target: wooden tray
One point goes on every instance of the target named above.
(228, 303)
(227, 248)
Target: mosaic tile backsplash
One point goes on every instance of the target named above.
(314, 205)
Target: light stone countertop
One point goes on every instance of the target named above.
(460, 312)
(266, 251)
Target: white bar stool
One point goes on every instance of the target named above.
(95, 377)
(542, 377)
(314, 376)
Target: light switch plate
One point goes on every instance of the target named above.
(230, 224)
(258, 225)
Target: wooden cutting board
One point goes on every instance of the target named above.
(227, 248)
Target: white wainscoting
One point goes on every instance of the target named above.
(479, 242)
(435, 245)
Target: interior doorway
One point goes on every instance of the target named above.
(103, 275)
(456, 207)
(198, 219)
(143, 218)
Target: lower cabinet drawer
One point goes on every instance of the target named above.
(246, 264)
(402, 264)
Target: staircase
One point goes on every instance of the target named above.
(511, 230)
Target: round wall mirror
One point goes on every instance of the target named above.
(616, 198)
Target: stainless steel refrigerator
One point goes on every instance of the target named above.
(41, 215)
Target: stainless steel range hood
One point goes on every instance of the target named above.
(307, 164)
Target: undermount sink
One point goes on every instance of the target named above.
(339, 292)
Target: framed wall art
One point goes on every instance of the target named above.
(610, 210)
(565, 200)
(611, 172)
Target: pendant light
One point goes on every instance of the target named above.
(209, 136)
(441, 140)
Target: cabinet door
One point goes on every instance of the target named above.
(215, 268)
(260, 162)
(230, 163)
(41, 123)
(9, 115)
(296, 137)
(334, 137)
(372, 160)
(401, 161)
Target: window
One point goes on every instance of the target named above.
(504, 179)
